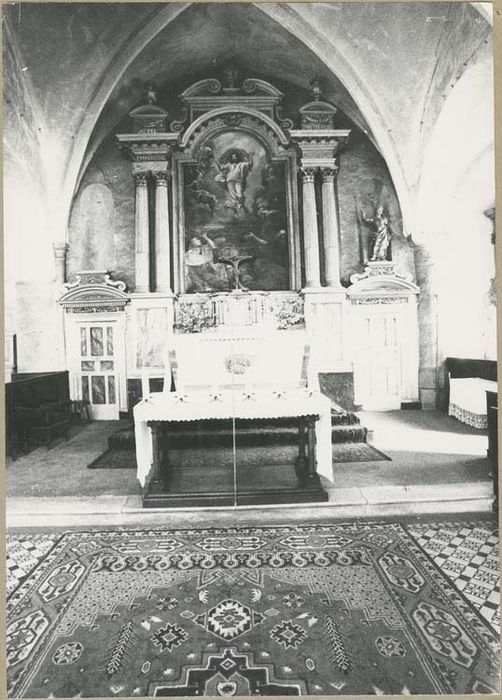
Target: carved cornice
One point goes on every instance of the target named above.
(92, 292)
(335, 137)
(319, 148)
(380, 284)
(388, 298)
(244, 119)
(208, 95)
(151, 148)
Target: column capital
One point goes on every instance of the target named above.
(329, 174)
(161, 177)
(140, 179)
(60, 249)
(308, 174)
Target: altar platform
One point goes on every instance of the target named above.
(438, 465)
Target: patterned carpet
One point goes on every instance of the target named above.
(358, 608)
(120, 458)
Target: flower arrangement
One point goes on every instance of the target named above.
(288, 313)
(194, 317)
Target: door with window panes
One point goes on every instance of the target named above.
(98, 369)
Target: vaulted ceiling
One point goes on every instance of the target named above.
(389, 68)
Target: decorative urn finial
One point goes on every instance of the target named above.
(316, 88)
(230, 76)
(151, 95)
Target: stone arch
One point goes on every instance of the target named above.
(291, 19)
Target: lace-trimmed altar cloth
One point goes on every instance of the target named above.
(234, 403)
(468, 400)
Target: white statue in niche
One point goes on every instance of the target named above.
(383, 235)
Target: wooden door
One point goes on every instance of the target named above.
(378, 365)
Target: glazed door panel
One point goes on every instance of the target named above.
(97, 360)
(98, 371)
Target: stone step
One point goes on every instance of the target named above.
(250, 434)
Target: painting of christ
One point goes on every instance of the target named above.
(235, 218)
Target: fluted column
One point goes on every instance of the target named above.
(310, 229)
(330, 229)
(162, 233)
(142, 248)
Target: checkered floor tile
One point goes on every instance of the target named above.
(23, 554)
(468, 554)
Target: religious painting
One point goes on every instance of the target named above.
(235, 216)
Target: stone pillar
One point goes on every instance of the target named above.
(310, 230)
(142, 234)
(162, 233)
(60, 249)
(330, 228)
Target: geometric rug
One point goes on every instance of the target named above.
(352, 608)
(123, 458)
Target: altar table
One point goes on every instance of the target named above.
(310, 407)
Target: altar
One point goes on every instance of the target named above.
(234, 383)
(155, 415)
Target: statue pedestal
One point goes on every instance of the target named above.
(378, 268)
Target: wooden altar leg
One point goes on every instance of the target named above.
(301, 463)
(312, 476)
(159, 481)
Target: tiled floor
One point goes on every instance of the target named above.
(24, 552)
(467, 552)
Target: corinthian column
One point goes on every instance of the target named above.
(162, 234)
(142, 248)
(310, 229)
(330, 228)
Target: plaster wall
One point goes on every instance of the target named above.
(466, 314)
(101, 230)
(364, 182)
(29, 270)
(454, 255)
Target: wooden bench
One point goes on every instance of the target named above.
(37, 408)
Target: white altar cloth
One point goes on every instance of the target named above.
(468, 400)
(234, 403)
